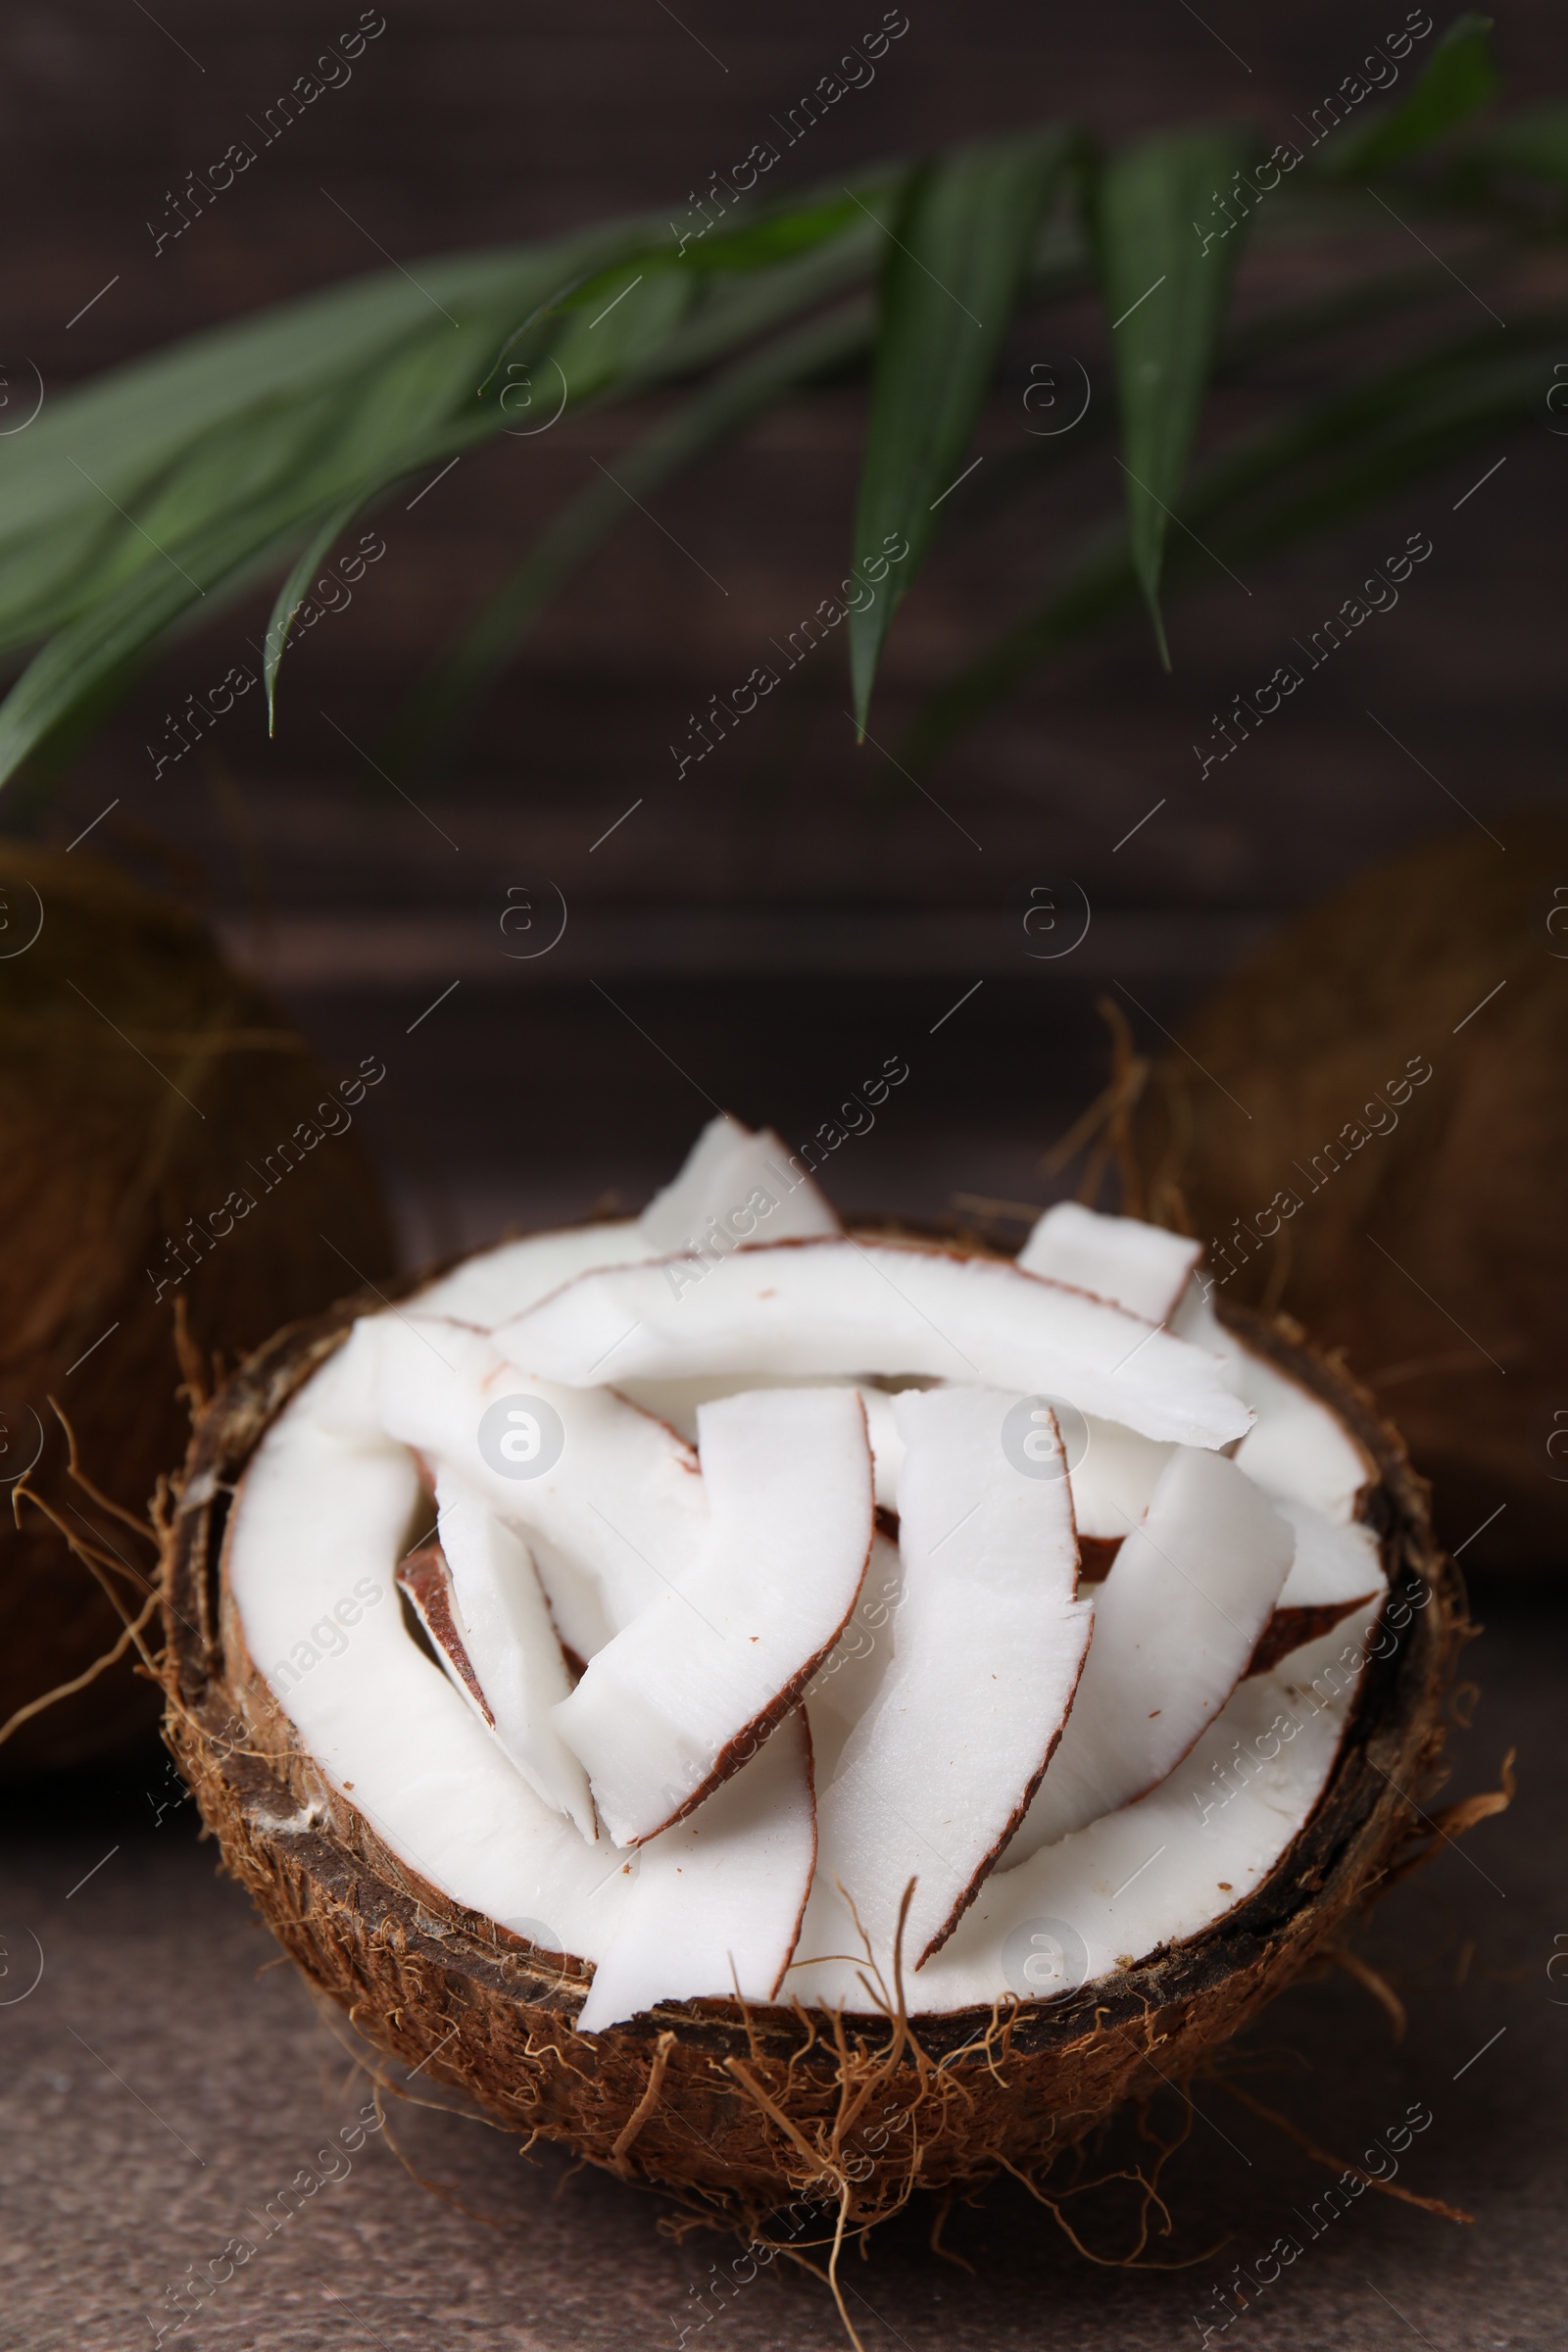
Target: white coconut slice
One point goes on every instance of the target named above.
(687, 1691)
(1149, 1875)
(716, 1902)
(426, 1580)
(1114, 1475)
(501, 1282)
(551, 1770)
(1135, 1266)
(614, 1516)
(510, 1644)
(1336, 1571)
(317, 1528)
(1297, 1449)
(844, 1306)
(1334, 1566)
(887, 1444)
(849, 1678)
(987, 1649)
(677, 1402)
(496, 1283)
(673, 1209)
(1176, 1624)
(735, 1188)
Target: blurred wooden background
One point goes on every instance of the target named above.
(770, 929)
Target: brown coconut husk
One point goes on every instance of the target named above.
(740, 2110)
(140, 1077)
(1435, 1256)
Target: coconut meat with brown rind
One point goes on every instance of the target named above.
(845, 1685)
(1176, 1624)
(492, 1284)
(691, 1685)
(1154, 1873)
(677, 1401)
(986, 1652)
(512, 1644)
(512, 1276)
(425, 1582)
(1113, 1473)
(314, 1510)
(844, 1306)
(1296, 1451)
(734, 1186)
(1336, 1571)
(715, 1904)
(1334, 1565)
(1312, 1459)
(316, 1514)
(612, 1517)
(1139, 1266)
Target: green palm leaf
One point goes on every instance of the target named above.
(144, 500)
(958, 252)
(1164, 277)
(1333, 457)
(1456, 81)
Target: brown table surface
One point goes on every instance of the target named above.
(167, 2075)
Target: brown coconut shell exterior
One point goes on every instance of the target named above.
(741, 2111)
(1431, 1252)
(141, 1080)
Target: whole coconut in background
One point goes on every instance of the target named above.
(168, 1136)
(1372, 1132)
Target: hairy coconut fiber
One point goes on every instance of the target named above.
(1428, 1240)
(141, 1081)
(738, 2110)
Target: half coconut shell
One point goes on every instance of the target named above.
(741, 2111)
(152, 1102)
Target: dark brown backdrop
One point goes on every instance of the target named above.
(793, 910)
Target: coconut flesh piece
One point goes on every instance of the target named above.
(986, 1653)
(426, 1580)
(1135, 1266)
(508, 1644)
(688, 1689)
(1335, 1567)
(319, 1522)
(716, 1901)
(846, 1307)
(1176, 1623)
(318, 1513)
(735, 1187)
(1299, 1451)
(677, 1400)
(323, 1503)
(1150, 1875)
(844, 1685)
(1113, 1474)
(724, 1168)
(614, 1518)
(504, 1281)
(1296, 1451)
(1336, 1570)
